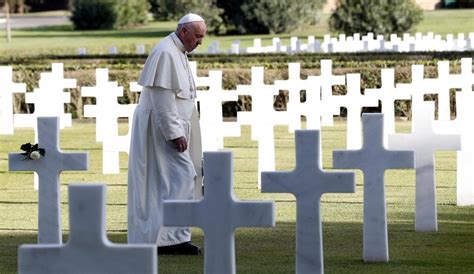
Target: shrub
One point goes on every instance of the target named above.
(278, 16)
(94, 14)
(174, 9)
(108, 14)
(380, 17)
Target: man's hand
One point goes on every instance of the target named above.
(181, 143)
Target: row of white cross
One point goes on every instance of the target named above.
(318, 109)
(219, 213)
(341, 43)
(355, 43)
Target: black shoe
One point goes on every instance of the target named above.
(186, 248)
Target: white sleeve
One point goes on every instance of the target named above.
(164, 103)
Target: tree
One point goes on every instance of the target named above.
(108, 14)
(382, 17)
(174, 9)
(269, 16)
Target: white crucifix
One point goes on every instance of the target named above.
(7, 89)
(387, 94)
(48, 99)
(374, 159)
(213, 127)
(462, 125)
(107, 110)
(219, 213)
(312, 107)
(308, 182)
(88, 250)
(49, 169)
(354, 101)
(262, 118)
(424, 142)
(294, 85)
(328, 80)
(113, 143)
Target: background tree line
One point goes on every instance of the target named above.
(252, 16)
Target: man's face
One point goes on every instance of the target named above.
(193, 35)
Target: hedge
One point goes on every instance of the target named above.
(236, 70)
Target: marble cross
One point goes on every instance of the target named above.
(424, 142)
(462, 125)
(294, 85)
(49, 99)
(328, 80)
(48, 169)
(373, 159)
(213, 128)
(388, 94)
(354, 101)
(88, 250)
(308, 182)
(7, 88)
(262, 118)
(219, 213)
(107, 109)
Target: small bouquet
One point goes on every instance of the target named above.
(32, 152)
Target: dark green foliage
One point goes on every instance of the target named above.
(165, 10)
(94, 14)
(381, 17)
(132, 12)
(279, 16)
(269, 16)
(108, 14)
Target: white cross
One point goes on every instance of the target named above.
(7, 88)
(312, 108)
(424, 142)
(308, 182)
(88, 250)
(48, 169)
(465, 157)
(328, 80)
(294, 85)
(388, 94)
(373, 159)
(49, 99)
(107, 110)
(219, 213)
(354, 101)
(262, 118)
(213, 128)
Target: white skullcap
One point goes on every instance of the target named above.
(190, 17)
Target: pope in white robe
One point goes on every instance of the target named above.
(165, 150)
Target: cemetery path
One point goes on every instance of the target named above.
(21, 21)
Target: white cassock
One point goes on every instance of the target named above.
(156, 170)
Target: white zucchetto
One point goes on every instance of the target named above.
(190, 17)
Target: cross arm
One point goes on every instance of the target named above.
(339, 182)
(75, 161)
(18, 162)
(277, 182)
(254, 214)
(347, 159)
(183, 213)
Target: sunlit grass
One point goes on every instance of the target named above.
(261, 250)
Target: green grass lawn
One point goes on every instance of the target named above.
(262, 250)
(64, 40)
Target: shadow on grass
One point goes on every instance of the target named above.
(272, 250)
